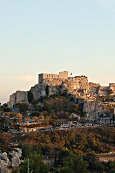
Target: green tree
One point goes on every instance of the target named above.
(5, 108)
(111, 167)
(47, 90)
(34, 164)
(69, 161)
(80, 166)
(93, 163)
(30, 97)
(23, 107)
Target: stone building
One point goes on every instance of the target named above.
(45, 76)
(112, 88)
(77, 86)
(103, 91)
(56, 82)
(78, 83)
(71, 83)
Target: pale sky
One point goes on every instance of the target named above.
(55, 35)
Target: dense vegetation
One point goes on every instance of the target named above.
(66, 162)
(79, 141)
(73, 150)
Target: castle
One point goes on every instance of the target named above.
(72, 83)
(77, 86)
(44, 76)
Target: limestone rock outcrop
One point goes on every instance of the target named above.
(103, 91)
(15, 160)
(38, 91)
(112, 88)
(18, 97)
(57, 83)
(94, 109)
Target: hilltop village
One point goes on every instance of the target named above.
(98, 102)
(59, 119)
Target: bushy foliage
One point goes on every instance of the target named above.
(5, 108)
(34, 164)
(30, 97)
(23, 107)
(79, 141)
(66, 162)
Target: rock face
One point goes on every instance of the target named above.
(112, 88)
(4, 162)
(16, 155)
(94, 88)
(77, 83)
(38, 91)
(71, 83)
(103, 91)
(15, 160)
(18, 97)
(93, 109)
(78, 86)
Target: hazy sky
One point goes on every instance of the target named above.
(54, 35)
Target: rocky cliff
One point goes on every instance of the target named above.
(13, 161)
(78, 86)
(18, 97)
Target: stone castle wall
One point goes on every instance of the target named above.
(76, 83)
(112, 85)
(77, 86)
(103, 91)
(71, 83)
(45, 76)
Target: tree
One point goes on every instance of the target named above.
(23, 107)
(110, 91)
(5, 108)
(34, 164)
(30, 97)
(19, 115)
(47, 90)
(110, 167)
(93, 163)
(80, 165)
(69, 162)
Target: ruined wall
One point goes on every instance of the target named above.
(71, 84)
(18, 97)
(45, 76)
(63, 75)
(103, 91)
(112, 87)
(77, 83)
(94, 87)
(52, 82)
